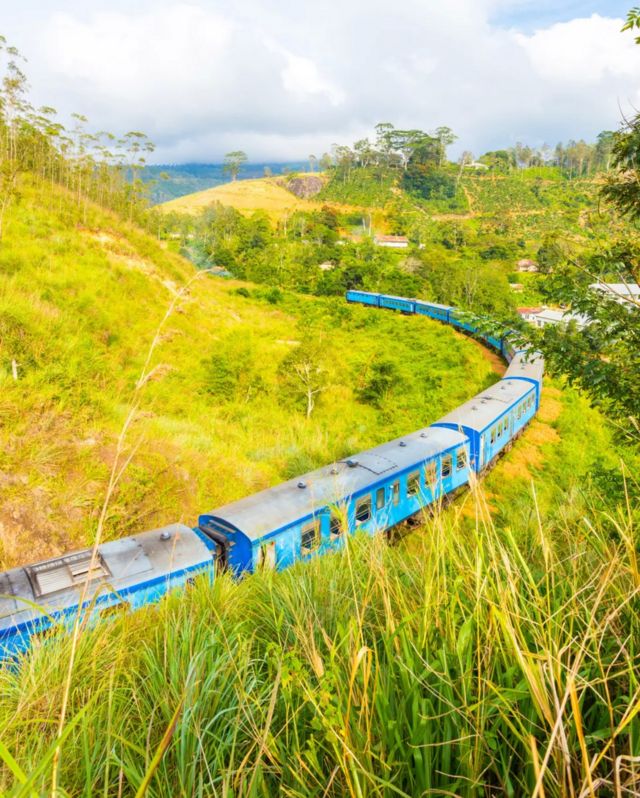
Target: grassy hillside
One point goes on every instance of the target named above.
(170, 181)
(464, 252)
(217, 414)
(246, 196)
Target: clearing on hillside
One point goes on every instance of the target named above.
(246, 196)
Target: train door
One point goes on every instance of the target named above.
(267, 555)
(482, 452)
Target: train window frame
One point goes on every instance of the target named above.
(461, 459)
(335, 522)
(446, 465)
(381, 498)
(363, 503)
(313, 529)
(413, 484)
(395, 493)
(430, 473)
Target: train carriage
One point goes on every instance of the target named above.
(363, 298)
(528, 367)
(433, 310)
(406, 306)
(493, 418)
(370, 491)
(127, 573)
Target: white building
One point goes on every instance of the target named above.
(541, 317)
(527, 265)
(621, 292)
(395, 242)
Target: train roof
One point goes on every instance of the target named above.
(526, 366)
(481, 411)
(57, 584)
(433, 304)
(262, 513)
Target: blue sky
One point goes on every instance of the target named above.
(531, 14)
(291, 77)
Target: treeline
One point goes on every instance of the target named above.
(414, 158)
(395, 150)
(99, 167)
(574, 159)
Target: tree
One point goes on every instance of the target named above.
(326, 162)
(233, 163)
(383, 378)
(313, 163)
(303, 373)
(446, 137)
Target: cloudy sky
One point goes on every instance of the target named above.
(285, 78)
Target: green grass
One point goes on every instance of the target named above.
(461, 665)
(79, 307)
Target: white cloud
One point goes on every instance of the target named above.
(289, 77)
(301, 77)
(583, 51)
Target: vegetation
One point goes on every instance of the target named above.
(82, 294)
(233, 163)
(603, 358)
(493, 651)
(94, 167)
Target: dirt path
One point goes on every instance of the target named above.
(525, 457)
(498, 365)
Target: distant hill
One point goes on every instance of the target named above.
(192, 177)
(247, 196)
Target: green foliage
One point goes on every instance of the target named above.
(80, 304)
(368, 186)
(621, 187)
(383, 378)
(604, 357)
(429, 182)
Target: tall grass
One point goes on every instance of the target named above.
(460, 664)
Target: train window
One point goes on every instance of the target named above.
(446, 465)
(379, 498)
(267, 555)
(461, 459)
(493, 435)
(430, 474)
(363, 510)
(395, 491)
(413, 484)
(310, 537)
(335, 526)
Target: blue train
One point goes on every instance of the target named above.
(372, 492)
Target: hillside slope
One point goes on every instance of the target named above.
(246, 196)
(218, 415)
